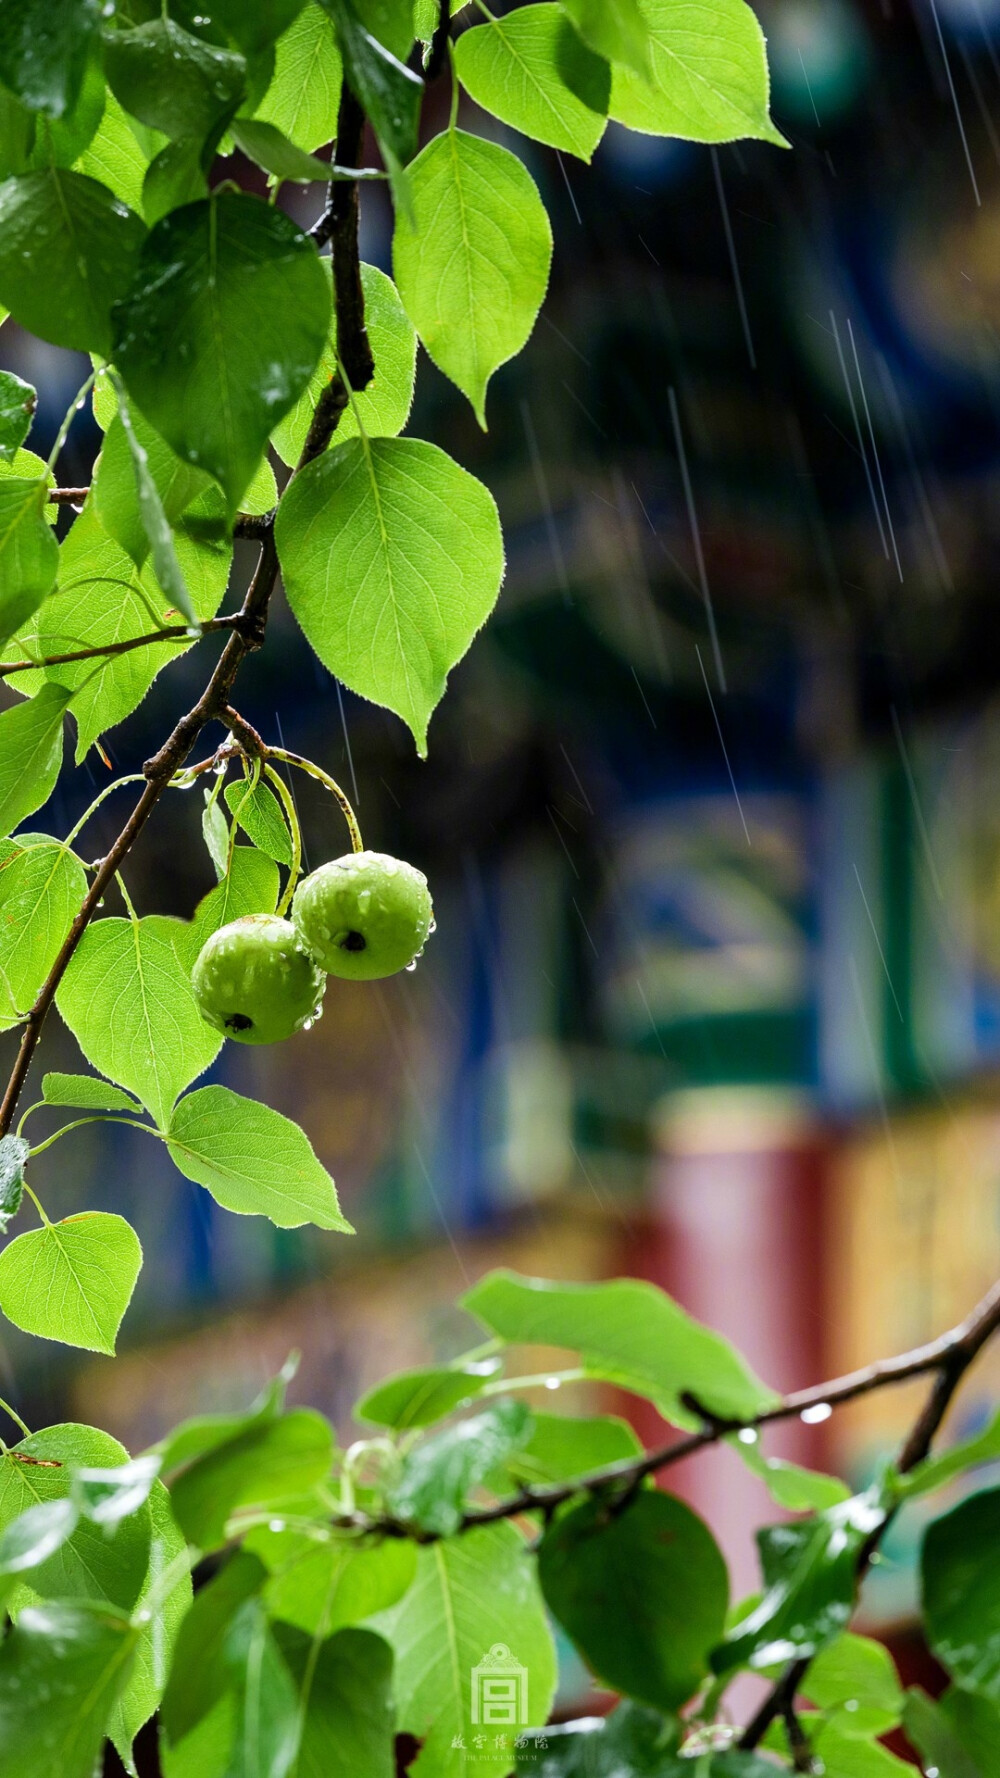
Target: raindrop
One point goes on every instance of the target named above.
(276, 1524)
(410, 967)
(432, 928)
(552, 1382)
(815, 1416)
(748, 1435)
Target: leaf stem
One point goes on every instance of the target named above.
(315, 771)
(73, 410)
(98, 1118)
(39, 1206)
(295, 830)
(25, 1428)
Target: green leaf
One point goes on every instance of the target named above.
(960, 1578)
(323, 1587)
(72, 1280)
(844, 1758)
(59, 141)
(811, 1581)
(936, 1472)
(254, 27)
(90, 1564)
(84, 1092)
(384, 407)
(252, 1160)
(472, 266)
(171, 80)
(102, 599)
(31, 1539)
(267, 1464)
(798, 1490)
(258, 812)
(391, 21)
(205, 1432)
(154, 521)
(199, 1675)
(250, 888)
(115, 157)
(348, 1730)
(709, 79)
(561, 1447)
(18, 127)
(532, 71)
(215, 833)
(439, 1473)
(267, 147)
(62, 1669)
(29, 554)
(174, 178)
(87, 240)
(267, 1716)
(392, 560)
(628, 1333)
(630, 1740)
(159, 1632)
(471, 1594)
(31, 750)
(615, 29)
(976, 1721)
(417, 1398)
(44, 49)
(14, 1151)
(106, 1496)
(221, 330)
(41, 890)
(855, 1681)
(304, 95)
(18, 401)
(935, 1739)
(643, 1593)
(157, 1041)
(390, 93)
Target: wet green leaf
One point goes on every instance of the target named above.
(31, 750)
(172, 80)
(304, 95)
(89, 243)
(348, 1730)
(221, 331)
(960, 1580)
(18, 401)
(324, 1587)
(44, 49)
(72, 1280)
(14, 1151)
(259, 813)
(253, 1161)
(709, 79)
(642, 1592)
(84, 1092)
(78, 1658)
(29, 554)
(392, 560)
(41, 890)
(417, 1398)
(472, 264)
(439, 1473)
(615, 29)
(532, 70)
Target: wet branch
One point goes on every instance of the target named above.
(949, 1357)
(953, 1355)
(247, 627)
(169, 633)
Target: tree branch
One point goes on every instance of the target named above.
(339, 225)
(950, 1356)
(248, 625)
(169, 633)
(953, 1355)
(245, 524)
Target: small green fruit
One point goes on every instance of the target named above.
(365, 915)
(255, 980)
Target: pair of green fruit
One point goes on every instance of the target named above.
(361, 917)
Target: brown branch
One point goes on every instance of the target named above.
(247, 629)
(169, 633)
(339, 225)
(245, 524)
(955, 1352)
(950, 1356)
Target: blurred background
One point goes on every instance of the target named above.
(711, 814)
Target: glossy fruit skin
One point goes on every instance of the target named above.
(364, 916)
(255, 981)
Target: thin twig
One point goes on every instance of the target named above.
(950, 1356)
(245, 524)
(169, 633)
(954, 1353)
